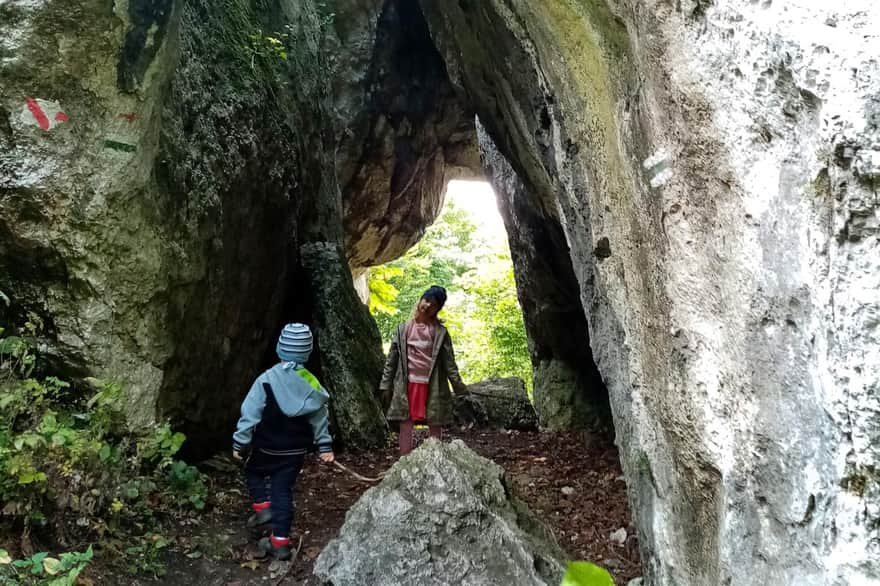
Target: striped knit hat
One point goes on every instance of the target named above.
(294, 343)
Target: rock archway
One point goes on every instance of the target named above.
(414, 132)
(705, 174)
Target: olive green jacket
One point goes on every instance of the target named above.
(438, 411)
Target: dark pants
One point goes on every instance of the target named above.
(281, 472)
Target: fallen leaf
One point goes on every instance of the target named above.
(253, 564)
(51, 566)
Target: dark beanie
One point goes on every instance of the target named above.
(437, 293)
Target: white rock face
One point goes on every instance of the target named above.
(787, 350)
(725, 154)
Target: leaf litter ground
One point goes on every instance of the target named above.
(571, 480)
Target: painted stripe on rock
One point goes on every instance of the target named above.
(119, 146)
(43, 114)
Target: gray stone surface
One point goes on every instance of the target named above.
(350, 349)
(154, 218)
(568, 389)
(402, 131)
(713, 168)
(502, 403)
(442, 515)
(712, 165)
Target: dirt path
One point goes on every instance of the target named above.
(573, 482)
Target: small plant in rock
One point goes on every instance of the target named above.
(268, 48)
(326, 16)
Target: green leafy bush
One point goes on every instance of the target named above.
(186, 482)
(71, 469)
(490, 335)
(42, 570)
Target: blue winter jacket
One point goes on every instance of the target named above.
(297, 393)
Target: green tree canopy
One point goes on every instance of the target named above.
(482, 313)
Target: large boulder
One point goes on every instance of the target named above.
(441, 516)
(502, 403)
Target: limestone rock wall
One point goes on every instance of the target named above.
(402, 131)
(162, 164)
(714, 169)
(82, 237)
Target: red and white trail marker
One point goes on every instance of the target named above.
(43, 114)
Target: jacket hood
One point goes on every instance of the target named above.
(294, 395)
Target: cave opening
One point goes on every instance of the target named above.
(465, 251)
(420, 130)
(513, 311)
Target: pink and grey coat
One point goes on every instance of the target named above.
(443, 369)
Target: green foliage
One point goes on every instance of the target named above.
(16, 357)
(143, 557)
(383, 294)
(492, 336)
(586, 574)
(161, 445)
(68, 463)
(186, 482)
(42, 570)
(445, 252)
(268, 47)
(255, 59)
(482, 312)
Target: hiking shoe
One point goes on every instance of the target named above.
(282, 553)
(259, 519)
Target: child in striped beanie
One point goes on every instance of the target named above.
(283, 416)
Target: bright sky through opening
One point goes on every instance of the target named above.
(478, 199)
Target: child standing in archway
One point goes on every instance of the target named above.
(419, 364)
